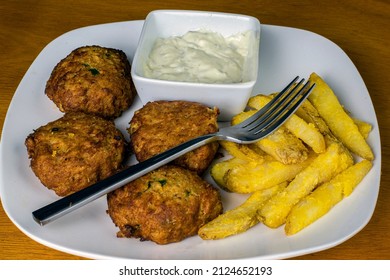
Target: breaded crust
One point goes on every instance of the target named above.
(161, 125)
(75, 151)
(94, 80)
(166, 205)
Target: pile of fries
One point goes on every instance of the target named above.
(299, 172)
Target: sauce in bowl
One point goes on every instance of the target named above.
(199, 56)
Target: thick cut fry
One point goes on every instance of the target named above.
(364, 128)
(324, 167)
(219, 169)
(342, 126)
(307, 132)
(284, 147)
(310, 114)
(240, 218)
(242, 116)
(360, 170)
(250, 177)
(245, 152)
(281, 144)
(323, 198)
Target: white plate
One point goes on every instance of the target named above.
(89, 232)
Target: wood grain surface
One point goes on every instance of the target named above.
(359, 27)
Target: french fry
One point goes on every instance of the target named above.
(281, 144)
(324, 167)
(318, 178)
(244, 152)
(252, 176)
(219, 169)
(310, 114)
(339, 122)
(307, 132)
(323, 198)
(364, 128)
(359, 172)
(284, 147)
(240, 218)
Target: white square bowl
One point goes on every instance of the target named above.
(230, 98)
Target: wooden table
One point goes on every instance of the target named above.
(359, 27)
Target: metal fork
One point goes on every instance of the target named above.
(258, 126)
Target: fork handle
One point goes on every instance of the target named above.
(74, 201)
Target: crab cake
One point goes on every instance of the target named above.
(75, 151)
(94, 80)
(166, 205)
(161, 125)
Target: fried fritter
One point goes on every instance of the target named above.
(161, 125)
(94, 80)
(166, 205)
(75, 151)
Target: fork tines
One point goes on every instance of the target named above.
(280, 108)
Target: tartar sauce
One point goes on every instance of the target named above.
(199, 56)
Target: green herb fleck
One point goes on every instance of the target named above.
(162, 182)
(94, 71)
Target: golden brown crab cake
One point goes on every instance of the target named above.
(75, 151)
(161, 125)
(166, 205)
(94, 80)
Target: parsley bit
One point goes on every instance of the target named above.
(94, 71)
